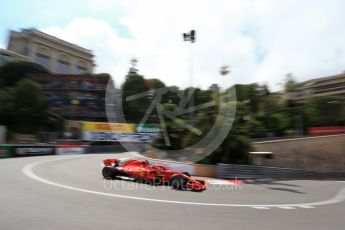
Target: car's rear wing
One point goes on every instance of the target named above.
(111, 162)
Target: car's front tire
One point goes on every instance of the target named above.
(178, 183)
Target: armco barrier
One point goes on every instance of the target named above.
(226, 171)
(104, 149)
(33, 150)
(6, 151)
(69, 149)
(19, 150)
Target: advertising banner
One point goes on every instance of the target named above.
(69, 149)
(118, 137)
(108, 127)
(6, 151)
(32, 150)
(147, 128)
(118, 132)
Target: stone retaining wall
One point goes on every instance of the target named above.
(317, 154)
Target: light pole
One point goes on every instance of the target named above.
(191, 38)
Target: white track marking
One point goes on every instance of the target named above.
(265, 208)
(220, 182)
(287, 207)
(28, 171)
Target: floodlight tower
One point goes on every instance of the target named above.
(190, 37)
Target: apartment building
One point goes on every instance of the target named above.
(56, 55)
(7, 56)
(324, 86)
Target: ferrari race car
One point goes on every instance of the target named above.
(141, 170)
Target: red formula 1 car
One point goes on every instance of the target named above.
(141, 170)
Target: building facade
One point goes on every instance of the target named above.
(56, 55)
(7, 56)
(325, 86)
(74, 97)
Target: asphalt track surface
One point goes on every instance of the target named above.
(68, 192)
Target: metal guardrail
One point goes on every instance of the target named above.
(228, 171)
(104, 149)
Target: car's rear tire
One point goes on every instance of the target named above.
(108, 173)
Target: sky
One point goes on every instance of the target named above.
(260, 40)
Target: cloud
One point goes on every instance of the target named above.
(301, 37)
(112, 52)
(260, 40)
(101, 5)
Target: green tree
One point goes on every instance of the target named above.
(175, 134)
(154, 83)
(278, 124)
(203, 122)
(134, 110)
(234, 150)
(103, 75)
(255, 129)
(203, 96)
(252, 95)
(7, 107)
(172, 95)
(13, 72)
(289, 83)
(30, 107)
(324, 110)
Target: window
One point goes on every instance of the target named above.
(63, 67)
(81, 70)
(26, 51)
(6, 58)
(42, 60)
